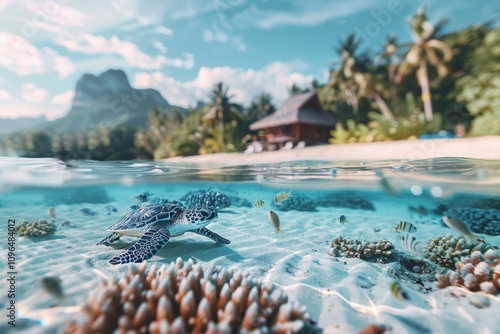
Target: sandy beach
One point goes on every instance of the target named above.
(342, 294)
(475, 148)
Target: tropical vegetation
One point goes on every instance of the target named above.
(435, 82)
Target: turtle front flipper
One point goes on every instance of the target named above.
(212, 235)
(153, 239)
(109, 239)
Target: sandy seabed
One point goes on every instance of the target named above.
(296, 260)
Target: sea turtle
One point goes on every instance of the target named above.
(154, 224)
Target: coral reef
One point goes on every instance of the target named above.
(206, 198)
(380, 251)
(487, 203)
(418, 273)
(35, 228)
(479, 220)
(447, 250)
(184, 297)
(75, 195)
(477, 272)
(345, 200)
(162, 200)
(296, 201)
(239, 202)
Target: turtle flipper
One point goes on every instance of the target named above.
(109, 239)
(153, 239)
(212, 235)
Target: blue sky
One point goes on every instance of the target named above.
(183, 47)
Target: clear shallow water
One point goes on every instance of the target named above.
(373, 196)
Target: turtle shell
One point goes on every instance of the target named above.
(146, 215)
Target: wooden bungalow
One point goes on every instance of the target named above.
(299, 119)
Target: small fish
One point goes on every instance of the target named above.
(143, 197)
(343, 219)
(52, 212)
(411, 244)
(65, 223)
(53, 285)
(273, 217)
(459, 226)
(111, 208)
(281, 196)
(88, 212)
(405, 227)
(259, 203)
(397, 291)
(376, 230)
(495, 247)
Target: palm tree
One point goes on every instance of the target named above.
(422, 53)
(371, 86)
(221, 109)
(348, 75)
(388, 54)
(261, 106)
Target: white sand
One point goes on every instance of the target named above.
(477, 148)
(296, 260)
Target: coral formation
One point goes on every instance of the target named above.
(239, 202)
(479, 220)
(345, 200)
(380, 251)
(296, 201)
(36, 228)
(477, 272)
(446, 251)
(162, 200)
(487, 203)
(75, 195)
(416, 272)
(184, 297)
(206, 198)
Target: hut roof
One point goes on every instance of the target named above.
(302, 108)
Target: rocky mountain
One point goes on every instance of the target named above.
(8, 126)
(108, 100)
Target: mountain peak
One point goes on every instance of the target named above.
(104, 86)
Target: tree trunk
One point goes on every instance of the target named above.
(423, 80)
(386, 112)
(394, 96)
(221, 133)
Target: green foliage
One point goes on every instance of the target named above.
(487, 124)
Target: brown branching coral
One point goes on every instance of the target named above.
(477, 272)
(183, 297)
(380, 251)
(446, 251)
(37, 228)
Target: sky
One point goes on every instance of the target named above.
(182, 48)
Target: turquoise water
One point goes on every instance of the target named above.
(374, 197)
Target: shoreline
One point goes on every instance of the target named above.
(487, 148)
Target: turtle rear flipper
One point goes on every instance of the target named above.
(153, 239)
(110, 239)
(212, 235)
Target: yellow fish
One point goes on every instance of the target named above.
(52, 212)
(281, 196)
(259, 203)
(273, 217)
(343, 219)
(405, 227)
(459, 226)
(397, 291)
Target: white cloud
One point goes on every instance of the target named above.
(4, 95)
(63, 99)
(244, 84)
(33, 94)
(217, 35)
(164, 30)
(63, 66)
(159, 46)
(92, 44)
(19, 55)
(16, 110)
(302, 13)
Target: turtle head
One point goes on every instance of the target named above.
(201, 217)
